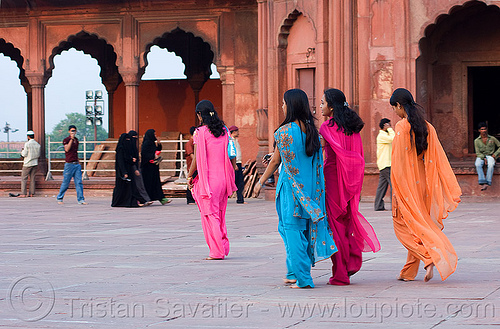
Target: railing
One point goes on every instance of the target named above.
(86, 153)
(11, 156)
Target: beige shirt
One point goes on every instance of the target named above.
(31, 153)
(238, 150)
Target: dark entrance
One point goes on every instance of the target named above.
(483, 104)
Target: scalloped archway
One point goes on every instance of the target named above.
(196, 55)
(94, 46)
(106, 57)
(448, 78)
(9, 50)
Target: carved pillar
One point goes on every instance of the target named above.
(263, 71)
(227, 81)
(29, 117)
(131, 81)
(37, 82)
(111, 121)
(263, 137)
(111, 84)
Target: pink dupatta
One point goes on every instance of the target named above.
(201, 188)
(350, 172)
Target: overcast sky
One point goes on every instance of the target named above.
(73, 74)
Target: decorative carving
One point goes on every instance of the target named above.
(263, 137)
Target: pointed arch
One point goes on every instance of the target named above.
(14, 53)
(98, 48)
(196, 54)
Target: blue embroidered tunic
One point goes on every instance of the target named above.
(300, 192)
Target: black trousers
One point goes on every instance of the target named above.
(384, 181)
(189, 196)
(240, 183)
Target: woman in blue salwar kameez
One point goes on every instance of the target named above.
(300, 192)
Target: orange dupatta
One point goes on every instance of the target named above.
(425, 190)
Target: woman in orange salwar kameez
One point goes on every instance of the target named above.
(425, 190)
(214, 181)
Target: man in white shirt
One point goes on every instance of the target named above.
(384, 150)
(30, 153)
(238, 173)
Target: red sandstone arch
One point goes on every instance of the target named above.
(96, 47)
(438, 16)
(196, 46)
(196, 54)
(452, 46)
(14, 53)
(287, 25)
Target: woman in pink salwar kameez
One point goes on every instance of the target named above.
(344, 170)
(214, 181)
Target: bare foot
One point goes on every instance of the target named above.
(484, 187)
(297, 287)
(430, 272)
(60, 202)
(289, 281)
(211, 258)
(402, 279)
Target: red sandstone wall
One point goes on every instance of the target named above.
(165, 105)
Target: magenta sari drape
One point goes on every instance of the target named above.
(344, 171)
(212, 187)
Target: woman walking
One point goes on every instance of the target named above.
(150, 168)
(300, 192)
(344, 171)
(214, 182)
(425, 190)
(138, 184)
(123, 195)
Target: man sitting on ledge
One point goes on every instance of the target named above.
(485, 146)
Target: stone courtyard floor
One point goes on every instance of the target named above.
(73, 266)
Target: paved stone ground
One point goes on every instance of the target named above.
(143, 268)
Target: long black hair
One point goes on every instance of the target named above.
(415, 116)
(346, 119)
(297, 108)
(210, 118)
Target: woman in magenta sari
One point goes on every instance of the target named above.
(214, 181)
(344, 170)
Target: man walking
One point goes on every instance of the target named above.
(72, 167)
(30, 153)
(486, 154)
(238, 173)
(384, 150)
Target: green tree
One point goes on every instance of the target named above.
(60, 131)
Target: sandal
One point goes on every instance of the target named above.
(164, 201)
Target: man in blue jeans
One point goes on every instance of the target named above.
(72, 167)
(487, 150)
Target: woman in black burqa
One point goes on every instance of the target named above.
(123, 195)
(138, 186)
(150, 168)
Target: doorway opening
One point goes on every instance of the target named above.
(483, 89)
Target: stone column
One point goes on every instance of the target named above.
(263, 137)
(111, 84)
(131, 81)
(37, 82)
(263, 74)
(228, 94)
(111, 124)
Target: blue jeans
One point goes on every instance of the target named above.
(72, 170)
(489, 171)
